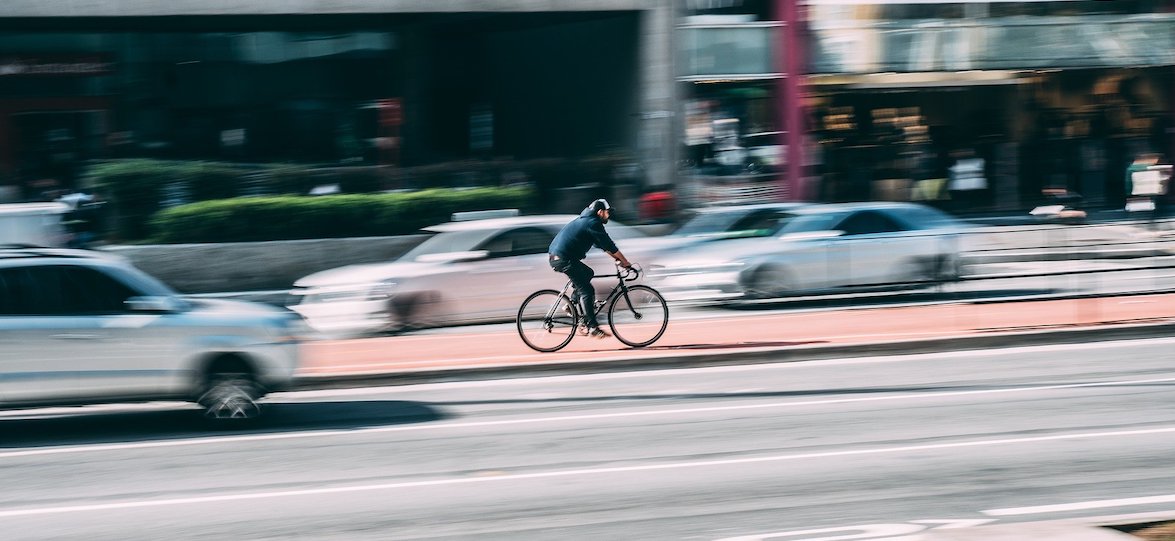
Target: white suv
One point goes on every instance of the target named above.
(79, 327)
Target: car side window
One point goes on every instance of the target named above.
(35, 291)
(868, 223)
(17, 292)
(90, 291)
(524, 241)
(532, 241)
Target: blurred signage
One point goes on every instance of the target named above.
(391, 112)
(46, 65)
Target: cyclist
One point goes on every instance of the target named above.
(570, 247)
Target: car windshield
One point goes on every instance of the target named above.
(807, 223)
(707, 222)
(741, 223)
(448, 242)
(926, 218)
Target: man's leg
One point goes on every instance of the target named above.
(585, 293)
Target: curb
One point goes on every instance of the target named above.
(682, 358)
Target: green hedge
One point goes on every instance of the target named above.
(139, 188)
(333, 216)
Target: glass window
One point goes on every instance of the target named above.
(443, 243)
(88, 291)
(728, 50)
(60, 290)
(519, 242)
(868, 223)
(531, 241)
(925, 218)
(17, 292)
(762, 222)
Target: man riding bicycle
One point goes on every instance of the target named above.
(571, 246)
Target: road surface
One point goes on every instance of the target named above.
(872, 447)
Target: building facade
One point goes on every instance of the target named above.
(355, 82)
(1050, 94)
(785, 99)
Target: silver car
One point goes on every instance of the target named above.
(819, 248)
(465, 272)
(79, 327)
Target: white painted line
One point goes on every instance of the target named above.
(559, 419)
(136, 504)
(1095, 504)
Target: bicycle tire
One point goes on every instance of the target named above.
(533, 316)
(653, 303)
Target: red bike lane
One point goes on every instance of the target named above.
(741, 333)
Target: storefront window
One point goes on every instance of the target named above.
(246, 96)
(728, 50)
(993, 44)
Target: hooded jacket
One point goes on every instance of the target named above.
(577, 237)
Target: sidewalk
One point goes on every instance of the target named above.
(746, 338)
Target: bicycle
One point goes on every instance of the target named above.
(551, 315)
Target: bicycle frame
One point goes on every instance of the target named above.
(621, 288)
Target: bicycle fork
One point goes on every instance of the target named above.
(632, 308)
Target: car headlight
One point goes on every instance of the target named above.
(374, 291)
(381, 291)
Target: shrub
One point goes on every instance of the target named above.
(299, 217)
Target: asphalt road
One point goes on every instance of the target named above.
(846, 449)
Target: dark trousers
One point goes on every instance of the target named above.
(585, 294)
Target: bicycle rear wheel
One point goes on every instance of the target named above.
(640, 319)
(547, 320)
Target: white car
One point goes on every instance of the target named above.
(820, 248)
(466, 272)
(79, 327)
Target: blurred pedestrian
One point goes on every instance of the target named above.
(85, 220)
(1146, 182)
(968, 182)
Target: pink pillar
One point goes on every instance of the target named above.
(790, 57)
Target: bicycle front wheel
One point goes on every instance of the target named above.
(638, 318)
(547, 320)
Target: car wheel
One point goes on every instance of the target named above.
(414, 311)
(916, 273)
(230, 393)
(950, 268)
(768, 282)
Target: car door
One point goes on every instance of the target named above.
(128, 354)
(516, 265)
(39, 340)
(66, 336)
(873, 248)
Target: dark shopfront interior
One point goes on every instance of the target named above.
(315, 89)
(1076, 130)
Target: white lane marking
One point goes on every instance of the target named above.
(864, 531)
(1095, 504)
(568, 473)
(559, 419)
(661, 373)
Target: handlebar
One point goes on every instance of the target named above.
(629, 274)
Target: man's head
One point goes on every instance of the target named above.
(602, 209)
